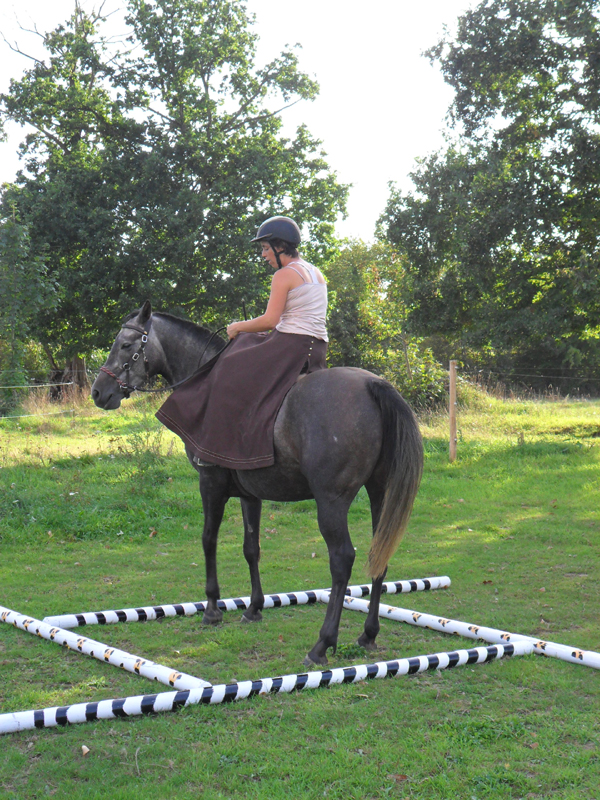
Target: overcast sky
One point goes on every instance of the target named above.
(382, 104)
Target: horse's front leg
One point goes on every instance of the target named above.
(333, 524)
(251, 509)
(213, 489)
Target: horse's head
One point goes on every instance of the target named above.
(129, 362)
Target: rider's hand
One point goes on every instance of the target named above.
(233, 330)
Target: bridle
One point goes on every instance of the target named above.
(126, 387)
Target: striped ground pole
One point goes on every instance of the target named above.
(146, 613)
(171, 701)
(110, 655)
(574, 655)
(400, 587)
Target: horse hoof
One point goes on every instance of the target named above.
(315, 662)
(368, 644)
(248, 618)
(212, 619)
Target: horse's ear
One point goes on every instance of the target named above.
(145, 312)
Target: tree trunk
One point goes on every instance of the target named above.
(75, 371)
(54, 366)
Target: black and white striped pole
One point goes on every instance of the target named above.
(171, 701)
(102, 652)
(147, 613)
(574, 655)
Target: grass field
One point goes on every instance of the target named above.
(101, 510)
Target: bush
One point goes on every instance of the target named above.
(419, 378)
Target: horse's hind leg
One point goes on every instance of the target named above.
(372, 626)
(376, 493)
(251, 508)
(333, 524)
(213, 488)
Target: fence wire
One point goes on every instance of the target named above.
(49, 414)
(37, 385)
(492, 373)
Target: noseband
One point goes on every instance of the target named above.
(126, 387)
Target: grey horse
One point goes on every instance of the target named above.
(337, 430)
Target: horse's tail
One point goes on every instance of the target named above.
(402, 459)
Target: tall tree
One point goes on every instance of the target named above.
(502, 230)
(25, 291)
(150, 166)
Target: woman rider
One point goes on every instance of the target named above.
(226, 413)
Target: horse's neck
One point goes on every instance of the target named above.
(182, 348)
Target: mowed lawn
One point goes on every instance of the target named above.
(101, 510)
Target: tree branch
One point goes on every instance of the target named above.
(98, 14)
(16, 49)
(262, 116)
(164, 116)
(49, 135)
(35, 30)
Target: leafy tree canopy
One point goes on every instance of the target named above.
(150, 165)
(501, 232)
(367, 322)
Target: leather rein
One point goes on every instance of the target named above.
(126, 387)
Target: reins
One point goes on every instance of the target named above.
(128, 388)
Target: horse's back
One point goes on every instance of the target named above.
(329, 401)
(331, 427)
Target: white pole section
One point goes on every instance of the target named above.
(572, 654)
(111, 655)
(171, 701)
(235, 604)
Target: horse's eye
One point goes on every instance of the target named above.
(126, 346)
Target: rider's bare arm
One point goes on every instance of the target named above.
(281, 283)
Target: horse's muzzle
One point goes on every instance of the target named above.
(108, 396)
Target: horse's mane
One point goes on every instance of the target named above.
(192, 327)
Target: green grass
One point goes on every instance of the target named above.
(515, 523)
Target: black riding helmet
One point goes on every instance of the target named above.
(282, 228)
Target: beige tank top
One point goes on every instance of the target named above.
(306, 306)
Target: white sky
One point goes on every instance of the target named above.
(381, 106)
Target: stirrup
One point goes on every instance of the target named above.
(198, 461)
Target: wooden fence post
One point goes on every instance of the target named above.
(452, 410)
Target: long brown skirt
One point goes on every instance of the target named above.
(226, 412)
